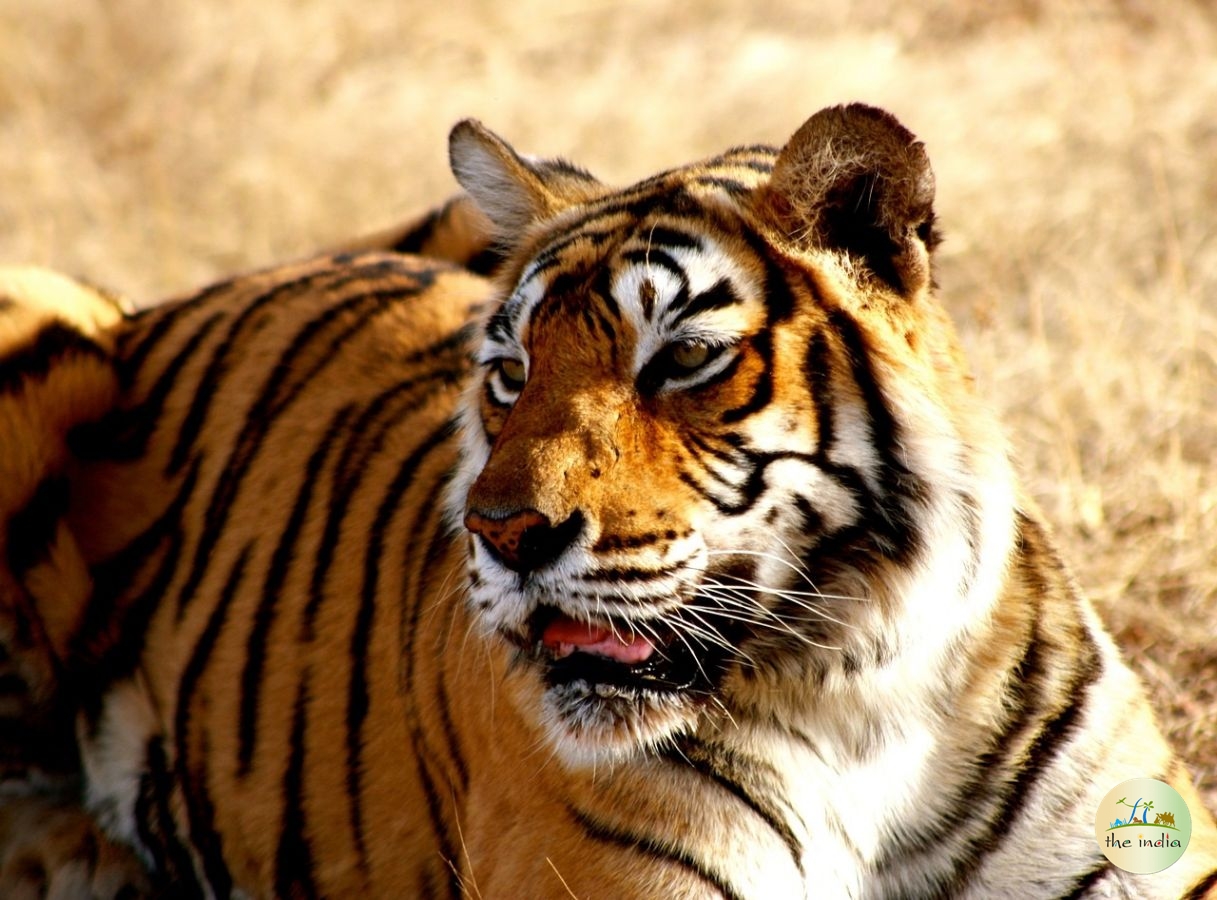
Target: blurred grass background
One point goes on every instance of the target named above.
(151, 146)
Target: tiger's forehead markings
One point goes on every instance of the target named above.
(671, 286)
(667, 283)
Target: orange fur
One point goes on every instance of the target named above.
(747, 603)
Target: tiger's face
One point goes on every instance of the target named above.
(679, 482)
(622, 517)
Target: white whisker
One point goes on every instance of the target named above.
(774, 623)
(792, 597)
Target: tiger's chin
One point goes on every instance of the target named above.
(589, 726)
(608, 693)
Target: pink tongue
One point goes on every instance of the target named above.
(564, 636)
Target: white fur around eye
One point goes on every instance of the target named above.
(506, 377)
(701, 361)
(513, 373)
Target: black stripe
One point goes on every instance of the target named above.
(602, 287)
(747, 491)
(357, 692)
(279, 390)
(123, 434)
(51, 346)
(732, 186)
(757, 157)
(499, 326)
(335, 280)
(736, 456)
(413, 240)
(724, 505)
(568, 288)
(132, 357)
(437, 818)
(157, 832)
(1043, 752)
(727, 770)
(206, 387)
(272, 589)
(111, 637)
(718, 296)
(550, 255)
(1082, 886)
(294, 864)
(131, 340)
(666, 236)
(604, 319)
(631, 204)
(817, 370)
(655, 258)
(192, 773)
(562, 168)
(618, 575)
(365, 439)
(885, 432)
(737, 464)
(31, 530)
(438, 544)
(1200, 890)
(114, 576)
(1024, 698)
(485, 262)
(895, 522)
(762, 391)
(656, 849)
(779, 297)
(1057, 732)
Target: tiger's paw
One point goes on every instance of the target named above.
(50, 850)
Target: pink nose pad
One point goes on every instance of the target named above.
(525, 540)
(509, 536)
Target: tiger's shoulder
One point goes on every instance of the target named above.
(85, 379)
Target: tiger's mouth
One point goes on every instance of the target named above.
(613, 658)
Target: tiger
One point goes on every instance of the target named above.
(667, 550)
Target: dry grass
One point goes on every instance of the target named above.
(152, 146)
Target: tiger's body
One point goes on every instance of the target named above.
(679, 561)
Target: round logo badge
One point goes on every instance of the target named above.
(1143, 825)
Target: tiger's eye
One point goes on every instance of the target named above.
(513, 373)
(690, 355)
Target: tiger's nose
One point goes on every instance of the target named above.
(525, 540)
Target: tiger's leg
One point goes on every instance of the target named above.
(55, 373)
(50, 847)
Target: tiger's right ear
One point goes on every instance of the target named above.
(512, 191)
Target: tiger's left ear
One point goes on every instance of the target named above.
(854, 179)
(512, 191)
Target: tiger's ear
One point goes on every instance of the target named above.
(512, 191)
(854, 179)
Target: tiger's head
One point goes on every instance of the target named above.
(721, 459)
